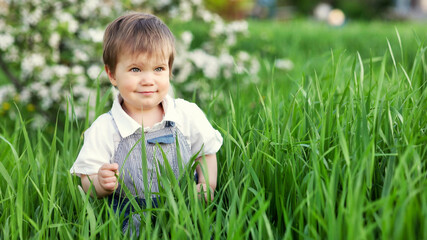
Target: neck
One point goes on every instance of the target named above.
(147, 118)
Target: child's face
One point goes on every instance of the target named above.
(142, 81)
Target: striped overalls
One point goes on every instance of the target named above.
(128, 156)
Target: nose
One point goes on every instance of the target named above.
(146, 79)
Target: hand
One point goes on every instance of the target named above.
(107, 176)
(203, 187)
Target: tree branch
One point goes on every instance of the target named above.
(12, 78)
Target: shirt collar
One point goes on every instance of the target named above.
(170, 109)
(127, 125)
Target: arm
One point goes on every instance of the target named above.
(105, 182)
(208, 165)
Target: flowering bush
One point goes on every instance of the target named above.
(49, 49)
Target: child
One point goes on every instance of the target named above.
(138, 56)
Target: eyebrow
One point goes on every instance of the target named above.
(156, 64)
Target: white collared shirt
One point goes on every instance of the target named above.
(101, 139)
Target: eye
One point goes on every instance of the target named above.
(159, 69)
(135, 69)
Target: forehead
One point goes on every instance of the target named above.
(138, 57)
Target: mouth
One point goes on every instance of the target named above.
(146, 92)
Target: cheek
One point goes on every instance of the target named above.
(165, 86)
(165, 83)
(127, 85)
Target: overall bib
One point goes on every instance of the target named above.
(128, 157)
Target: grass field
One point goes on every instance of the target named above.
(335, 148)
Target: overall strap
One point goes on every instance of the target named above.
(115, 124)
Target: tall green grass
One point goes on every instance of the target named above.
(336, 152)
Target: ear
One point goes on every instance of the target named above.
(110, 76)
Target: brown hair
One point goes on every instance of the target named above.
(136, 33)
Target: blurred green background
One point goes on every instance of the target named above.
(355, 9)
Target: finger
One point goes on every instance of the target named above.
(114, 166)
(109, 183)
(108, 180)
(106, 173)
(110, 186)
(110, 166)
(203, 190)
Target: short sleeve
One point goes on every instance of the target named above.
(204, 137)
(97, 149)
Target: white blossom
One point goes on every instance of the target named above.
(218, 28)
(238, 26)
(54, 40)
(37, 38)
(61, 70)
(46, 74)
(81, 80)
(36, 2)
(205, 15)
(6, 40)
(79, 111)
(186, 13)
(94, 71)
(161, 3)
(191, 86)
(212, 69)
(207, 63)
(55, 91)
(57, 6)
(243, 56)
(46, 103)
(32, 61)
(255, 66)
(80, 55)
(137, 1)
(174, 12)
(72, 23)
(85, 94)
(40, 90)
(284, 64)
(95, 35)
(187, 37)
(197, 2)
(32, 18)
(53, 24)
(5, 92)
(89, 7)
(77, 70)
(231, 40)
(38, 121)
(105, 10)
(25, 95)
(55, 56)
(184, 72)
(240, 68)
(13, 54)
(226, 59)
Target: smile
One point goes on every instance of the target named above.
(146, 93)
